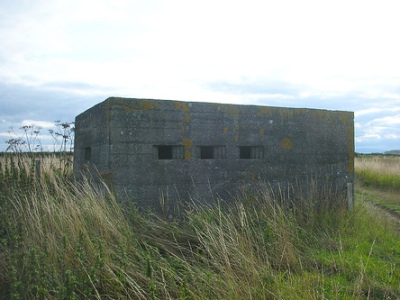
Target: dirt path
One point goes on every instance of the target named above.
(379, 201)
(392, 215)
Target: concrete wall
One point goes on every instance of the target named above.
(187, 150)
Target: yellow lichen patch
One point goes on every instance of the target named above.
(320, 114)
(264, 111)
(182, 106)
(286, 144)
(128, 109)
(225, 130)
(134, 106)
(231, 110)
(186, 155)
(262, 131)
(108, 117)
(187, 144)
(116, 101)
(285, 113)
(187, 117)
(344, 118)
(236, 133)
(350, 145)
(146, 104)
(183, 128)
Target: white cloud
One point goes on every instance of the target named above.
(40, 124)
(387, 108)
(370, 136)
(388, 121)
(176, 41)
(5, 135)
(392, 136)
(338, 55)
(367, 111)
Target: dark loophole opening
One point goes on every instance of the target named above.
(251, 152)
(245, 152)
(164, 152)
(88, 153)
(206, 152)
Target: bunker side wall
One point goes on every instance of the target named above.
(92, 142)
(222, 148)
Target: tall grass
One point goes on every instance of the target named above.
(62, 240)
(379, 179)
(382, 172)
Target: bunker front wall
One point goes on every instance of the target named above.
(157, 149)
(92, 142)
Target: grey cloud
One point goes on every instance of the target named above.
(59, 101)
(254, 88)
(19, 103)
(373, 131)
(68, 85)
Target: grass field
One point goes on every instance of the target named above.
(379, 171)
(379, 180)
(60, 240)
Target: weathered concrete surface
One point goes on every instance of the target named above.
(187, 150)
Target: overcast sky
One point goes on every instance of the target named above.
(60, 57)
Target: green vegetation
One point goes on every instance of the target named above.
(379, 180)
(382, 172)
(60, 240)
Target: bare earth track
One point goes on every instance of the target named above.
(376, 200)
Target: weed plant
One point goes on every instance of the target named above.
(65, 240)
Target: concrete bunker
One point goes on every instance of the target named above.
(194, 151)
